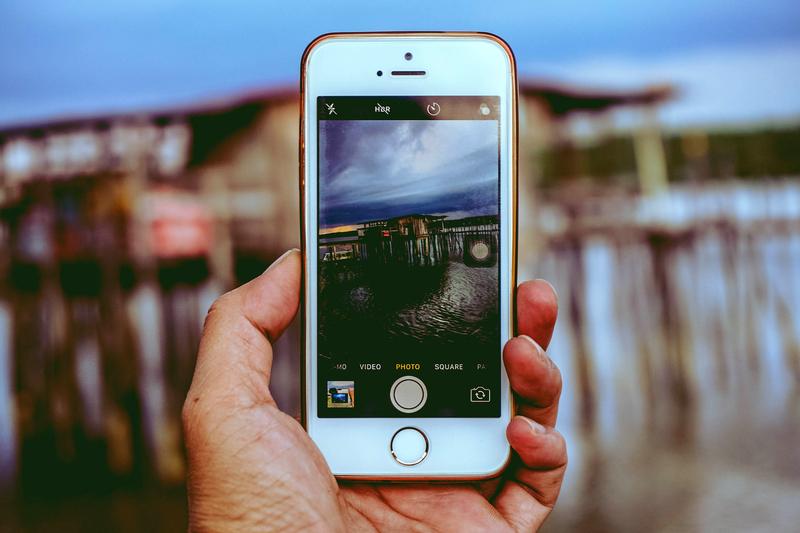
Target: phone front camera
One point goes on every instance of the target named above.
(409, 56)
(380, 73)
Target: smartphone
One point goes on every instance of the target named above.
(408, 179)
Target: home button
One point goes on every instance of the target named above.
(409, 446)
(408, 394)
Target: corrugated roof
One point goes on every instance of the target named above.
(560, 99)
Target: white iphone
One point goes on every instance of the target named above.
(408, 156)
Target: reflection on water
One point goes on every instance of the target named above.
(679, 340)
(464, 304)
(444, 309)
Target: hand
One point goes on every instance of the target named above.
(254, 468)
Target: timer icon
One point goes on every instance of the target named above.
(434, 109)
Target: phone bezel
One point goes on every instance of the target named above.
(456, 64)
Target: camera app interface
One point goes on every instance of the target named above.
(408, 256)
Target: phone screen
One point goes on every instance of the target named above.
(408, 262)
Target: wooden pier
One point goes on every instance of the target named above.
(416, 241)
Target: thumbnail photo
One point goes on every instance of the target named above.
(341, 394)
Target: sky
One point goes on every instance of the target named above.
(431, 167)
(732, 60)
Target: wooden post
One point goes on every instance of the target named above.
(651, 164)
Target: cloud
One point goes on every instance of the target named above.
(377, 169)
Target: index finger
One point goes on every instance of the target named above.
(537, 309)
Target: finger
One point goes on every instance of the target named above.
(534, 378)
(527, 499)
(540, 448)
(235, 355)
(270, 301)
(537, 309)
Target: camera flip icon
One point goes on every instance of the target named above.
(480, 395)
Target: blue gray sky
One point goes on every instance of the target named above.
(432, 167)
(734, 60)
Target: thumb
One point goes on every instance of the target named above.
(235, 356)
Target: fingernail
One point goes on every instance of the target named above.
(535, 426)
(539, 351)
(533, 342)
(279, 260)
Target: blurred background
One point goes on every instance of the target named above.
(148, 163)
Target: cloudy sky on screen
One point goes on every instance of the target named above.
(379, 169)
(734, 61)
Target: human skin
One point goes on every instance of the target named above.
(254, 468)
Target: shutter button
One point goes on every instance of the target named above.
(408, 394)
